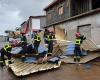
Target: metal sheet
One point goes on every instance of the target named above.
(21, 69)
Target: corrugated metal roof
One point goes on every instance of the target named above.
(21, 69)
(85, 59)
(89, 45)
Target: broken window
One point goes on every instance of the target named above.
(60, 10)
(49, 16)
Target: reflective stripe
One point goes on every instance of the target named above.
(78, 41)
(1, 61)
(6, 47)
(37, 39)
(48, 38)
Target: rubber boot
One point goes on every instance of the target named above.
(23, 58)
(74, 58)
(9, 62)
(78, 58)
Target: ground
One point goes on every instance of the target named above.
(89, 71)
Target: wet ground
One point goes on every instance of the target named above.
(89, 71)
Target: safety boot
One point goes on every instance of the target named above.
(78, 58)
(74, 58)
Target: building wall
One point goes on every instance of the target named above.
(55, 17)
(42, 22)
(93, 20)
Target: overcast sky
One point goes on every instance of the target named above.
(14, 12)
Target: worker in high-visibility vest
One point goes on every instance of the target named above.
(49, 39)
(6, 51)
(78, 42)
(37, 40)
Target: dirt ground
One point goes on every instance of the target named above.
(89, 71)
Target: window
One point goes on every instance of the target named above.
(49, 16)
(60, 10)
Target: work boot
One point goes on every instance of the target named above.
(78, 58)
(74, 58)
(49, 54)
(23, 58)
(9, 62)
(2, 64)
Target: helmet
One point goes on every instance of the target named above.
(77, 34)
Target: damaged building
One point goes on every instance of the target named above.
(66, 16)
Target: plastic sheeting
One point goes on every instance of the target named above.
(30, 60)
(70, 50)
(16, 50)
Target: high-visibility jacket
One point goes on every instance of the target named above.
(7, 48)
(49, 37)
(78, 41)
(37, 38)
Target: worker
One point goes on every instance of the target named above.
(37, 40)
(49, 39)
(78, 41)
(23, 38)
(46, 32)
(6, 51)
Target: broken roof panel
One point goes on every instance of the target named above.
(21, 69)
(89, 45)
(85, 59)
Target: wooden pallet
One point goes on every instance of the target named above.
(21, 69)
(85, 59)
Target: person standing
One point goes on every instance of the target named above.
(37, 40)
(49, 39)
(78, 41)
(46, 32)
(6, 51)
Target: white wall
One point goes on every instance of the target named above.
(35, 23)
(93, 19)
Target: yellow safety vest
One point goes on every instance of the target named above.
(37, 38)
(78, 41)
(6, 47)
(48, 37)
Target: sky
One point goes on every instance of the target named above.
(14, 12)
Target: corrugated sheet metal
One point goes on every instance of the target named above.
(21, 69)
(89, 45)
(83, 60)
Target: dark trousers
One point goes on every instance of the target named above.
(50, 46)
(36, 45)
(3, 53)
(77, 50)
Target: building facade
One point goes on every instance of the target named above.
(66, 16)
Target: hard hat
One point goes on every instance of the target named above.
(77, 34)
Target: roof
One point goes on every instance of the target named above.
(40, 16)
(52, 4)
